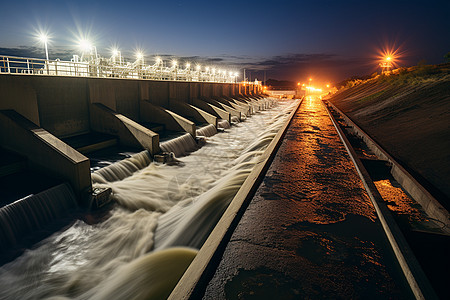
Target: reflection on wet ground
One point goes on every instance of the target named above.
(310, 231)
(399, 201)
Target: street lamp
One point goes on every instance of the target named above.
(44, 38)
(386, 63)
(116, 55)
(139, 56)
(87, 47)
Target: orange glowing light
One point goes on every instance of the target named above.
(388, 57)
(328, 85)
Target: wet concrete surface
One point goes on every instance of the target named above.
(310, 231)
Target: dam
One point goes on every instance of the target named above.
(139, 181)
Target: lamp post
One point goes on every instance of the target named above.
(44, 39)
(386, 64)
(309, 86)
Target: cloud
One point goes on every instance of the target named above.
(37, 52)
(298, 66)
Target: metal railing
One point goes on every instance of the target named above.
(110, 68)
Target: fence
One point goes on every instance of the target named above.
(107, 68)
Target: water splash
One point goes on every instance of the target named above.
(33, 212)
(223, 124)
(122, 169)
(180, 146)
(178, 203)
(208, 130)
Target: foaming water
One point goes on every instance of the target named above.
(223, 124)
(208, 130)
(122, 169)
(180, 146)
(33, 212)
(138, 279)
(158, 207)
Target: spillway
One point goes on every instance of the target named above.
(163, 214)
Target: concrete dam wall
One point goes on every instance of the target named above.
(40, 115)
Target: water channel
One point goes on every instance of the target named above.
(162, 215)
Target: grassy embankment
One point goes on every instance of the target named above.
(408, 113)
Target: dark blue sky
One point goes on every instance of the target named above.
(289, 39)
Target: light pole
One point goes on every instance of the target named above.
(44, 38)
(386, 64)
(309, 87)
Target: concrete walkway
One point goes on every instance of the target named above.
(310, 231)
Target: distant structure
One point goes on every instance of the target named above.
(90, 64)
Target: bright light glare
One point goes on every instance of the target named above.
(85, 45)
(198, 67)
(158, 59)
(174, 62)
(313, 89)
(43, 37)
(188, 65)
(139, 55)
(115, 52)
(389, 57)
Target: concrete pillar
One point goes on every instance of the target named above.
(45, 151)
(192, 112)
(227, 108)
(172, 121)
(212, 109)
(130, 133)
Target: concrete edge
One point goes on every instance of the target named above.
(212, 109)
(408, 182)
(45, 151)
(105, 120)
(202, 268)
(187, 125)
(417, 280)
(233, 112)
(154, 113)
(207, 116)
(189, 110)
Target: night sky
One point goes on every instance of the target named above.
(290, 40)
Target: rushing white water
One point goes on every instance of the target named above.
(30, 213)
(158, 207)
(180, 146)
(208, 130)
(121, 169)
(223, 124)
